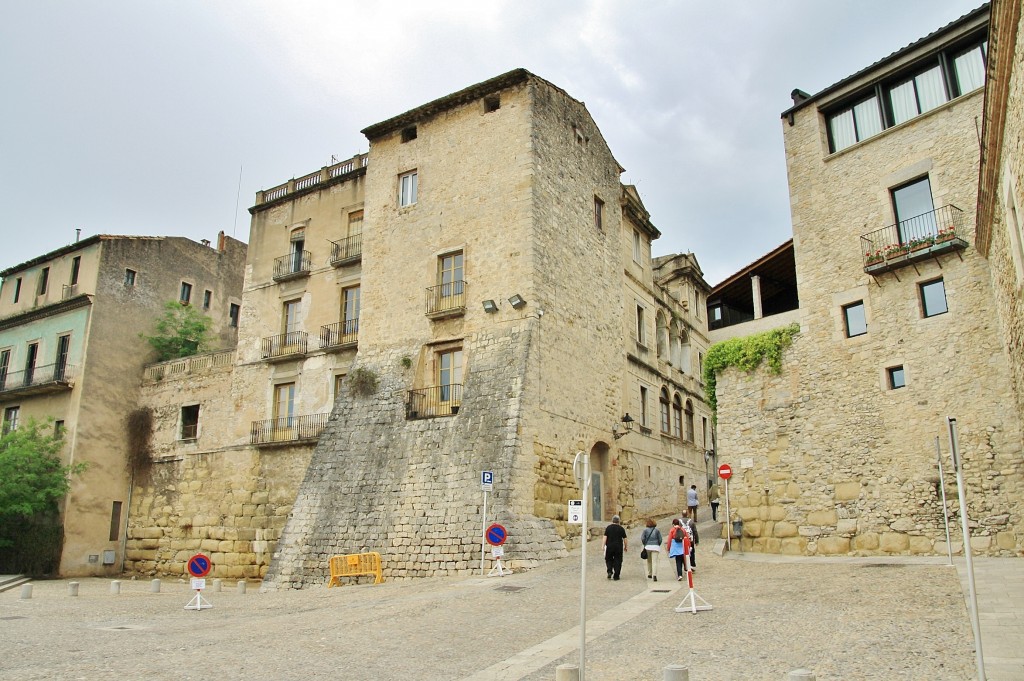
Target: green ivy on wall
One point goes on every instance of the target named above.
(746, 353)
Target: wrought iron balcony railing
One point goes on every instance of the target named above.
(285, 345)
(339, 334)
(446, 300)
(347, 250)
(293, 265)
(40, 379)
(287, 429)
(438, 400)
(924, 236)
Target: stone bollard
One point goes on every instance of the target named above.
(567, 672)
(154, 586)
(26, 592)
(216, 586)
(800, 675)
(115, 587)
(241, 587)
(677, 672)
(72, 588)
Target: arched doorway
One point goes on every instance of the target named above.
(600, 487)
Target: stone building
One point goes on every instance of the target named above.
(71, 351)
(838, 453)
(475, 293)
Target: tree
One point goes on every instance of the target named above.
(181, 331)
(32, 478)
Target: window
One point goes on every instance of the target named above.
(233, 313)
(637, 248)
(598, 213)
(17, 289)
(11, 419)
(350, 310)
(207, 295)
(339, 383)
(186, 293)
(190, 422)
(407, 186)
(677, 416)
(290, 318)
(115, 520)
(129, 277)
(355, 224)
(856, 123)
(76, 264)
(933, 298)
(917, 95)
(492, 103)
(640, 336)
(715, 313)
(700, 366)
(44, 280)
(688, 410)
(60, 363)
(665, 420)
(449, 376)
(704, 431)
(297, 261)
(284, 405)
(30, 362)
(408, 134)
(856, 322)
(913, 208)
(969, 68)
(450, 281)
(58, 429)
(5, 363)
(897, 379)
(643, 407)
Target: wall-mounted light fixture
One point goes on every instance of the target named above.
(490, 306)
(517, 301)
(617, 430)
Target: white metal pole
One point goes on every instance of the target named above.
(954, 447)
(584, 460)
(945, 508)
(483, 536)
(728, 519)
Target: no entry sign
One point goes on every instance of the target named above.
(199, 565)
(725, 471)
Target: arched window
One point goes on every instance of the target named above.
(664, 411)
(661, 326)
(674, 349)
(684, 354)
(677, 416)
(689, 420)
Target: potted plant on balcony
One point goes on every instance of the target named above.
(947, 234)
(895, 251)
(873, 257)
(921, 243)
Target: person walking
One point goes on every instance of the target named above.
(713, 500)
(675, 546)
(650, 539)
(615, 544)
(690, 525)
(691, 502)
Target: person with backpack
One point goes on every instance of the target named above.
(650, 539)
(676, 546)
(691, 526)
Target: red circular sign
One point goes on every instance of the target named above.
(199, 565)
(725, 471)
(496, 535)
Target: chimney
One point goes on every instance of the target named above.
(221, 241)
(78, 234)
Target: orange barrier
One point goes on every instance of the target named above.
(354, 565)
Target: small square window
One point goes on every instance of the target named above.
(58, 429)
(190, 422)
(897, 379)
(129, 277)
(207, 296)
(492, 103)
(933, 298)
(409, 134)
(186, 293)
(233, 314)
(853, 316)
(408, 184)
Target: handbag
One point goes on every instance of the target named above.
(643, 554)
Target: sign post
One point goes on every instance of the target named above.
(198, 566)
(487, 485)
(496, 535)
(581, 470)
(725, 472)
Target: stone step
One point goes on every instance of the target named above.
(8, 582)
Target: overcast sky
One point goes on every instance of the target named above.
(139, 116)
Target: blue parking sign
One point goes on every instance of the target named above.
(487, 478)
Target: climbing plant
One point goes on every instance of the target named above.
(746, 353)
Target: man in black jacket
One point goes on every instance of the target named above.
(614, 547)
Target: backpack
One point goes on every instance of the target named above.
(677, 533)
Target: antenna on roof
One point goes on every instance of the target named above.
(334, 159)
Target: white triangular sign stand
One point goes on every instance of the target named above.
(497, 552)
(690, 603)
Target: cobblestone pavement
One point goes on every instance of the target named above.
(869, 619)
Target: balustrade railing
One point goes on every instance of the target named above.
(57, 375)
(438, 400)
(938, 231)
(288, 429)
(291, 343)
(311, 180)
(445, 298)
(187, 366)
(339, 334)
(69, 291)
(293, 264)
(347, 249)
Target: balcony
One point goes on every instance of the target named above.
(438, 400)
(288, 429)
(347, 251)
(942, 230)
(292, 266)
(290, 345)
(41, 380)
(339, 335)
(188, 366)
(68, 291)
(309, 182)
(446, 300)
